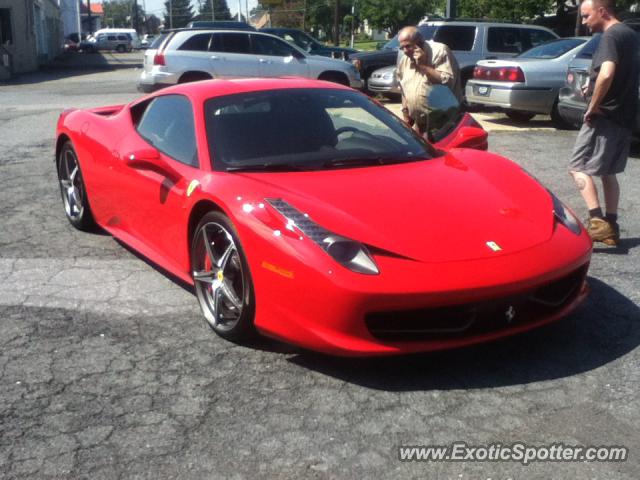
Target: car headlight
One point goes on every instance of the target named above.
(388, 76)
(349, 253)
(564, 216)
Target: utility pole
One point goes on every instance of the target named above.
(451, 9)
(336, 24)
(213, 14)
(170, 14)
(89, 17)
(353, 16)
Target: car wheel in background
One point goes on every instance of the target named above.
(194, 77)
(72, 189)
(222, 279)
(520, 116)
(334, 77)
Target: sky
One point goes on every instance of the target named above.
(156, 7)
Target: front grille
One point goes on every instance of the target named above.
(458, 321)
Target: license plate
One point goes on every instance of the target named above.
(483, 90)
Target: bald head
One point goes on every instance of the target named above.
(411, 34)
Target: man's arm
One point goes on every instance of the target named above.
(603, 83)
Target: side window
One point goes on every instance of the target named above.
(167, 124)
(456, 37)
(197, 43)
(123, 38)
(504, 40)
(230, 43)
(262, 45)
(111, 38)
(534, 37)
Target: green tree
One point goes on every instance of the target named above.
(392, 15)
(220, 10)
(120, 13)
(181, 13)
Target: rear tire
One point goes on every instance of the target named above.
(222, 278)
(194, 77)
(335, 78)
(520, 116)
(121, 49)
(72, 189)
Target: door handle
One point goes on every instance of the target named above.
(215, 57)
(262, 60)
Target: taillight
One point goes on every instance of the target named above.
(570, 78)
(499, 74)
(158, 59)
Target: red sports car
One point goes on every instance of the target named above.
(304, 211)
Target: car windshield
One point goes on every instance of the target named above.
(157, 41)
(553, 48)
(590, 47)
(306, 129)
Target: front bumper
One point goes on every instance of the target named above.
(511, 96)
(338, 312)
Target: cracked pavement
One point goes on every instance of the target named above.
(108, 371)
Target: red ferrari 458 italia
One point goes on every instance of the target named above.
(305, 211)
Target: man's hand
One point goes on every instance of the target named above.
(590, 113)
(406, 117)
(419, 56)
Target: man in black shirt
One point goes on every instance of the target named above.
(602, 146)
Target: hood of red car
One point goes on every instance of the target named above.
(465, 205)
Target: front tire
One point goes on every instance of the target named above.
(222, 278)
(72, 189)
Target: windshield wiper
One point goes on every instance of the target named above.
(364, 161)
(269, 167)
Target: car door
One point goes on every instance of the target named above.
(159, 160)
(231, 56)
(277, 58)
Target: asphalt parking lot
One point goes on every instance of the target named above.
(107, 369)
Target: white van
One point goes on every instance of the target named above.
(135, 40)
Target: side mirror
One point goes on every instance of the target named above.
(469, 137)
(150, 159)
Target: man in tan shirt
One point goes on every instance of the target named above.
(424, 63)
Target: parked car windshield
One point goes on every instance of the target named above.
(306, 129)
(590, 47)
(553, 48)
(427, 32)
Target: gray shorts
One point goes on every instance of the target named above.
(601, 148)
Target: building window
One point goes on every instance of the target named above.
(5, 27)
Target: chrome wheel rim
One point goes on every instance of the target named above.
(71, 185)
(218, 276)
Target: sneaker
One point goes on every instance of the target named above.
(602, 231)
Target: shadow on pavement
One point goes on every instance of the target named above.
(76, 64)
(604, 328)
(623, 247)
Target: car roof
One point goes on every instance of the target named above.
(206, 89)
(490, 23)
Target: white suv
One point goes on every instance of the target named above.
(189, 55)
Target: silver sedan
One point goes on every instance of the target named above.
(527, 84)
(384, 81)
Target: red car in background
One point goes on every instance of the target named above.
(304, 211)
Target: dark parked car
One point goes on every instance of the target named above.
(309, 44)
